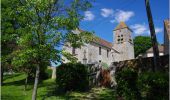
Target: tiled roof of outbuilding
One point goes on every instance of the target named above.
(160, 48)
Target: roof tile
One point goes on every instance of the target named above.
(103, 42)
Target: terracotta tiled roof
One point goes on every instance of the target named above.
(121, 25)
(102, 42)
(160, 47)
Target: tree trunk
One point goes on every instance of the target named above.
(34, 94)
(2, 74)
(26, 81)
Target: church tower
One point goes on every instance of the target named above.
(123, 43)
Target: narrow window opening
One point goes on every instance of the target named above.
(107, 53)
(99, 50)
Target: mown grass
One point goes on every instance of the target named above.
(13, 89)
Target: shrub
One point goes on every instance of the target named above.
(154, 85)
(127, 84)
(70, 77)
(49, 72)
(105, 65)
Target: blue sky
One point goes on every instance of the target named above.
(105, 15)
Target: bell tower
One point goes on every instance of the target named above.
(123, 42)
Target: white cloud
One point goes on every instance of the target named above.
(88, 15)
(158, 30)
(106, 12)
(139, 29)
(113, 21)
(121, 15)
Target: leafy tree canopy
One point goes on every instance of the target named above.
(141, 44)
(38, 27)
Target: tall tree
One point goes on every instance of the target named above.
(9, 26)
(141, 44)
(42, 26)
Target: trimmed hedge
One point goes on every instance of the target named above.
(154, 85)
(132, 85)
(72, 77)
(127, 84)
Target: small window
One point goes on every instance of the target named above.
(121, 35)
(107, 53)
(100, 61)
(99, 50)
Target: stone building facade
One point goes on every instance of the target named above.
(166, 36)
(100, 50)
(149, 52)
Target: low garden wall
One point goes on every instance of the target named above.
(136, 80)
(143, 64)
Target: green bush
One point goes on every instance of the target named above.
(71, 77)
(154, 85)
(105, 65)
(127, 84)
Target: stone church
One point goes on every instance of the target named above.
(100, 50)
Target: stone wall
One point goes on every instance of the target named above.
(92, 53)
(142, 64)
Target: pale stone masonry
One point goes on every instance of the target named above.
(101, 50)
(123, 43)
(166, 36)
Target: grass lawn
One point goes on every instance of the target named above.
(13, 89)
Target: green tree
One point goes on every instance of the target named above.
(42, 26)
(141, 44)
(9, 26)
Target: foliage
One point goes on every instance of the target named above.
(105, 65)
(146, 85)
(141, 44)
(72, 76)
(127, 84)
(154, 85)
(38, 28)
(69, 56)
(8, 37)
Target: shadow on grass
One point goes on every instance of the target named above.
(16, 83)
(93, 94)
(9, 97)
(10, 76)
